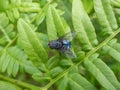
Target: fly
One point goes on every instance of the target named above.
(63, 45)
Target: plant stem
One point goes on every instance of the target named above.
(10, 43)
(23, 84)
(87, 56)
(6, 35)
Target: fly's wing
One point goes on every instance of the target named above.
(65, 50)
(68, 52)
(68, 36)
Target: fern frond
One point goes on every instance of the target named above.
(105, 16)
(112, 49)
(83, 26)
(6, 29)
(77, 82)
(13, 59)
(30, 43)
(27, 26)
(51, 30)
(102, 73)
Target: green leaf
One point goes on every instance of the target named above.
(103, 74)
(74, 85)
(15, 13)
(114, 53)
(57, 22)
(10, 67)
(56, 71)
(81, 82)
(6, 30)
(114, 44)
(8, 86)
(10, 16)
(66, 62)
(74, 69)
(1, 48)
(4, 5)
(4, 19)
(43, 38)
(40, 17)
(9, 28)
(52, 62)
(40, 78)
(7, 37)
(88, 4)
(2, 58)
(30, 68)
(113, 49)
(51, 30)
(15, 68)
(115, 3)
(62, 85)
(28, 6)
(42, 67)
(30, 43)
(83, 26)
(105, 16)
(13, 59)
(5, 63)
(27, 24)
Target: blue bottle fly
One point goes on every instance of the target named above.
(63, 45)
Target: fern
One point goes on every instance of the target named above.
(6, 85)
(26, 62)
(11, 61)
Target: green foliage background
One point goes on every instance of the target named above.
(26, 61)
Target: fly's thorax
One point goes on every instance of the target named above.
(59, 45)
(67, 43)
